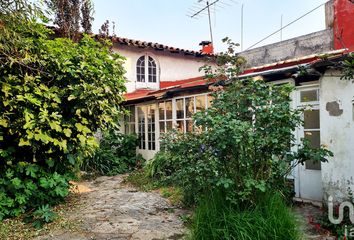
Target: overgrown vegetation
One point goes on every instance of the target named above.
(116, 154)
(347, 67)
(55, 94)
(215, 218)
(242, 149)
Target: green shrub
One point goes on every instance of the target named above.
(116, 154)
(55, 94)
(141, 180)
(243, 146)
(27, 186)
(215, 219)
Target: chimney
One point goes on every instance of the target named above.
(207, 47)
(342, 22)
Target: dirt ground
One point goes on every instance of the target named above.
(109, 209)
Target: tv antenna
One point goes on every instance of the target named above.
(203, 7)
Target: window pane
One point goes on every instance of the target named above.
(179, 109)
(168, 125)
(141, 127)
(180, 126)
(140, 69)
(162, 127)
(311, 119)
(309, 95)
(210, 100)
(168, 109)
(314, 138)
(189, 107)
(132, 128)
(189, 124)
(200, 103)
(132, 114)
(161, 110)
(311, 165)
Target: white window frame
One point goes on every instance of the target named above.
(184, 119)
(310, 105)
(146, 83)
(146, 125)
(129, 121)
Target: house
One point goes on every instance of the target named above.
(165, 89)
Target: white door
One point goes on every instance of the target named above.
(309, 178)
(146, 116)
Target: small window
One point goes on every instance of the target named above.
(309, 95)
(312, 134)
(140, 69)
(129, 120)
(146, 69)
(165, 116)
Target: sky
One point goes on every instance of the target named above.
(165, 21)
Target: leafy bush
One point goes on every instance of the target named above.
(215, 219)
(244, 149)
(116, 154)
(55, 93)
(26, 186)
(242, 145)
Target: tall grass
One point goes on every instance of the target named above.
(270, 219)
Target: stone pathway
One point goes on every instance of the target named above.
(108, 209)
(306, 212)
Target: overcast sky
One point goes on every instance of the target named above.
(165, 21)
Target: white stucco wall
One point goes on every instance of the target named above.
(172, 66)
(337, 132)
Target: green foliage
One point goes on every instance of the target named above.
(271, 219)
(244, 144)
(141, 181)
(245, 149)
(347, 67)
(116, 154)
(26, 186)
(55, 94)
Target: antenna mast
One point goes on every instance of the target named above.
(198, 9)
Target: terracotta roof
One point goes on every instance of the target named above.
(165, 87)
(157, 46)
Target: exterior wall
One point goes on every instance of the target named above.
(318, 42)
(343, 24)
(172, 66)
(337, 132)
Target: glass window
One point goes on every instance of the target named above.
(151, 127)
(140, 69)
(200, 103)
(141, 126)
(146, 69)
(129, 120)
(162, 110)
(152, 70)
(189, 107)
(309, 95)
(168, 105)
(311, 119)
(312, 128)
(179, 109)
(210, 100)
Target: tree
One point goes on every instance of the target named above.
(55, 94)
(67, 16)
(87, 16)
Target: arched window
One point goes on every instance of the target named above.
(146, 69)
(152, 70)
